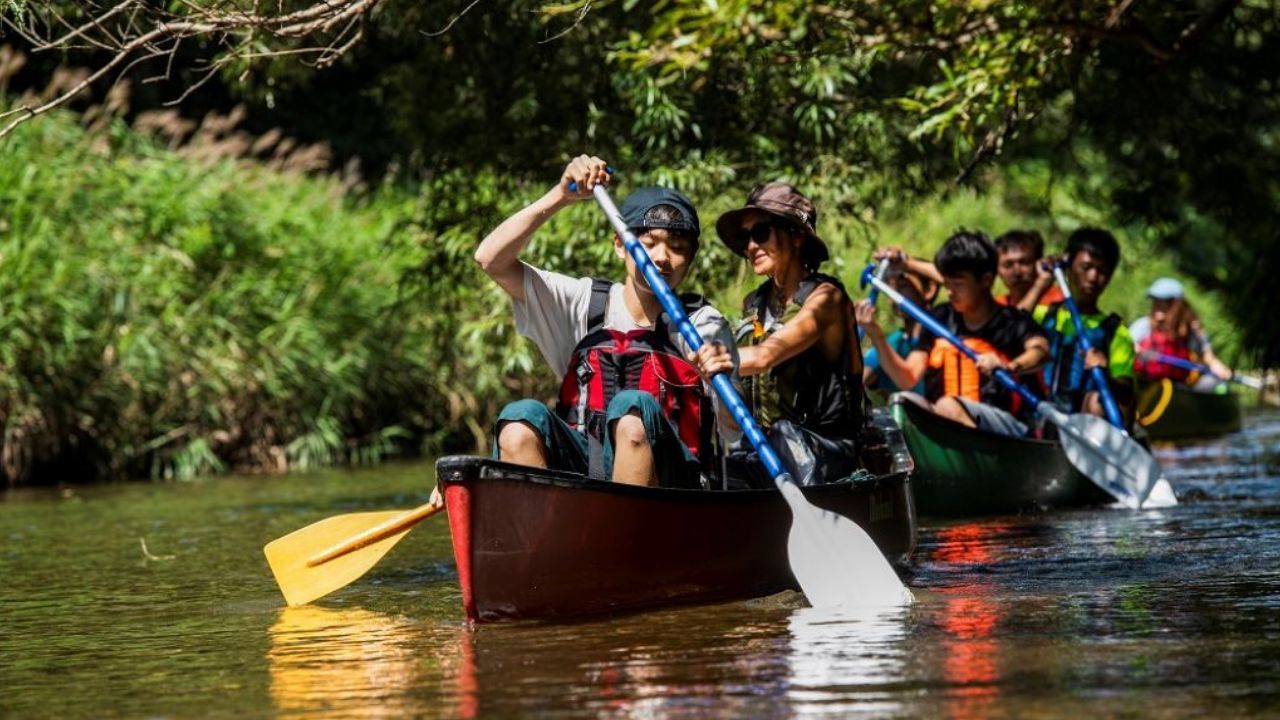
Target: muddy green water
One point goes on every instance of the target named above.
(1172, 613)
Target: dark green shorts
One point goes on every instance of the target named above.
(568, 449)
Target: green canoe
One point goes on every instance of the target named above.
(1172, 411)
(961, 471)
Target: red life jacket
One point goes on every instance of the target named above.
(606, 362)
(1165, 343)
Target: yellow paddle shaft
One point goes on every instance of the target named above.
(375, 533)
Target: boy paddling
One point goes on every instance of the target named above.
(1002, 336)
(634, 403)
(1022, 268)
(1091, 258)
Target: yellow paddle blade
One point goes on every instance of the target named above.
(324, 556)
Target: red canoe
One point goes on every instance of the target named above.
(542, 544)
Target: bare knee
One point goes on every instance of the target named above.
(1092, 404)
(952, 409)
(518, 440)
(628, 432)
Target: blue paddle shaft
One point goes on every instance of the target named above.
(1097, 374)
(721, 382)
(871, 271)
(1180, 362)
(1201, 368)
(932, 325)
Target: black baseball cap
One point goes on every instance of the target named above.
(635, 211)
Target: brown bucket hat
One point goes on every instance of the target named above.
(782, 201)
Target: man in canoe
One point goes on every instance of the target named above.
(1091, 259)
(801, 363)
(1002, 336)
(634, 405)
(1023, 270)
(1172, 328)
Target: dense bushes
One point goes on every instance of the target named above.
(167, 316)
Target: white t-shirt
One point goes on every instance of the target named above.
(554, 316)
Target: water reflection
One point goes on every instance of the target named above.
(846, 660)
(687, 662)
(340, 662)
(968, 619)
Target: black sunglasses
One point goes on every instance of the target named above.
(759, 232)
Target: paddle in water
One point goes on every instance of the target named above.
(1100, 451)
(833, 559)
(332, 553)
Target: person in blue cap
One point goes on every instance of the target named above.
(1173, 329)
(635, 404)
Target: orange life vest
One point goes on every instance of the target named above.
(960, 376)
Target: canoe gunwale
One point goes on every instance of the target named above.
(467, 468)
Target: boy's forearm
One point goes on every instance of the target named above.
(499, 253)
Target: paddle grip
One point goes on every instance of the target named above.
(871, 271)
(722, 383)
(932, 325)
(1179, 362)
(573, 184)
(1096, 374)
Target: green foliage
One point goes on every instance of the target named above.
(168, 318)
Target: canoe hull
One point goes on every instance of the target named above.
(1170, 411)
(964, 472)
(539, 544)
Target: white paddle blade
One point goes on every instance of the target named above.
(835, 561)
(1106, 455)
(1161, 496)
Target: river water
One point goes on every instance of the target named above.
(153, 600)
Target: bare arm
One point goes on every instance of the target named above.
(1035, 352)
(1215, 364)
(899, 257)
(499, 253)
(1044, 281)
(904, 373)
(820, 310)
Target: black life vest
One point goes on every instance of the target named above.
(808, 389)
(606, 362)
(1064, 375)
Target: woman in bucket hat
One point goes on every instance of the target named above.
(799, 354)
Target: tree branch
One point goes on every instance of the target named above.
(326, 29)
